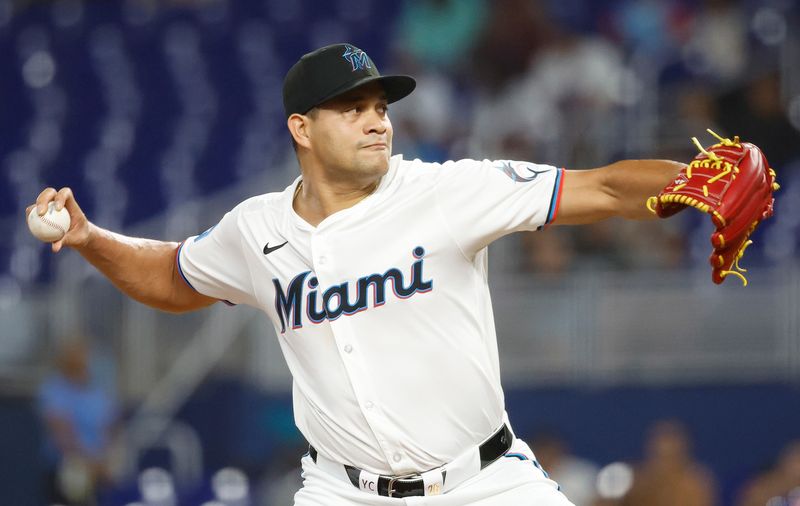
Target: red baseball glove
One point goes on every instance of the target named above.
(731, 181)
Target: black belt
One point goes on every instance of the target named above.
(412, 485)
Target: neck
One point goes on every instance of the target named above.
(315, 200)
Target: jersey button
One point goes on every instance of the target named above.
(396, 457)
(369, 405)
(322, 260)
(348, 348)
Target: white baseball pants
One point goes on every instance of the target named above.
(508, 481)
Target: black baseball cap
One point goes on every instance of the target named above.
(332, 70)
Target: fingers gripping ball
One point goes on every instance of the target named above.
(732, 182)
(51, 226)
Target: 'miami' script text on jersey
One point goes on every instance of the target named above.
(336, 300)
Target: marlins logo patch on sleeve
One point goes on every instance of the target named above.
(519, 172)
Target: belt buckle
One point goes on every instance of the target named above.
(393, 479)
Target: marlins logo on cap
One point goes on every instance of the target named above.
(357, 57)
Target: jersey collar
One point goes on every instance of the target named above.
(353, 212)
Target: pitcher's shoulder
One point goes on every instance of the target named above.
(269, 203)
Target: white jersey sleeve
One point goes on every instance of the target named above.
(484, 200)
(214, 263)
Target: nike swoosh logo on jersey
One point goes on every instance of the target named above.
(268, 250)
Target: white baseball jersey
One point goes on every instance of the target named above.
(383, 310)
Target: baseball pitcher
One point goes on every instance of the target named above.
(373, 270)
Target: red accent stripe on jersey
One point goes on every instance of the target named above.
(560, 191)
(557, 190)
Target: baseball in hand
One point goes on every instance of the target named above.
(51, 226)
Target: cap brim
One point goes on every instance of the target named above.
(396, 87)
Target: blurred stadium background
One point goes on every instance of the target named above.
(162, 115)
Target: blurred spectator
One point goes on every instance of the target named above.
(440, 34)
(779, 481)
(549, 252)
(575, 476)
(717, 48)
(608, 245)
(634, 245)
(561, 104)
(434, 43)
(515, 31)
(430, 120)
(654, 28)
(755, 113)
(669, 474)
(599, 246)
(586, 79)
(79, 413)
(696, 110)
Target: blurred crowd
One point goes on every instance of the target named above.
(81, 417)
(667, 474)
(77, 404)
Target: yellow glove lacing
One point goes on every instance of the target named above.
(713, 161)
